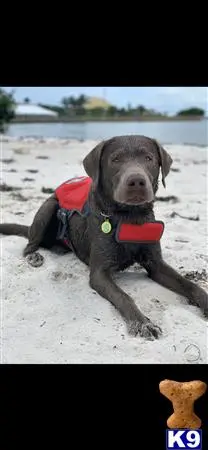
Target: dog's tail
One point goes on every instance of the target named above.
(14, 229)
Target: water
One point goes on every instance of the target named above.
(181, 132)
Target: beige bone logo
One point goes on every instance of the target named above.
(183, 396)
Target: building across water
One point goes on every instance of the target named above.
(29, 110)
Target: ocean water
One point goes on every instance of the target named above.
(181, 132)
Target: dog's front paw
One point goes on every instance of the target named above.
(146, 329)
(35, 259)
(150, 331)
(133, 327)
(199, 298)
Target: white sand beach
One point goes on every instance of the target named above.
(51, 315)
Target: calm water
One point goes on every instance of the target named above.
(186, 132)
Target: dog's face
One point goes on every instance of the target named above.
(127, 168)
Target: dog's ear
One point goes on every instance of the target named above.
(165, 161)
(91, 162)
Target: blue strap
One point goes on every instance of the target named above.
(63, 216)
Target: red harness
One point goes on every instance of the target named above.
(72, 195)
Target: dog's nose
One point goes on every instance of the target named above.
(136, 181)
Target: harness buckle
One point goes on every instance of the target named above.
(62, 217)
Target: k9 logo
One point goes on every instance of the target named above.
(186, 439)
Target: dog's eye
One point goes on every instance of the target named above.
(148, 158)
(115, 159)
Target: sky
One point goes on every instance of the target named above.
(163, 99)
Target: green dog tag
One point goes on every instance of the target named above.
(106, 227)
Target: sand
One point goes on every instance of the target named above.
(51, 315)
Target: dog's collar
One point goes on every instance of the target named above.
(127, 232)
(123, 232)
(146, 233)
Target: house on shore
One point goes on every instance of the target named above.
(28, 112)
(96, 102)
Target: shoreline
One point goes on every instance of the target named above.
(30, 139)
(84, 119)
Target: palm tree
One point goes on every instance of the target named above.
(141, 109)
(81, 100)
(76, 105)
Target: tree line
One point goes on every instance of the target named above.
(76, 107)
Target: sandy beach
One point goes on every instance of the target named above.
(51, 315)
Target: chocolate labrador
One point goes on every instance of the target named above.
(116, 226)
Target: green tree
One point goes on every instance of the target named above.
(81, 100)
(141, 110)
(112, 111)
(80, 105)
(122, 112)
(74, 105)
(194, 111)
(7, 109)
(96, 112)
(68, 102)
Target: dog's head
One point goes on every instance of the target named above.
(126, 168)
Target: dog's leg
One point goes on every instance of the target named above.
(165, 275)
(102, 282)
(37, 231)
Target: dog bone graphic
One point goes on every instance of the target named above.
(183, 396)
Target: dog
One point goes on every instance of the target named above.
(112, 225)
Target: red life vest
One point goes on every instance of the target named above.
(146, 233)
(72, 196)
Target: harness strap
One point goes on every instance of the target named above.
(63, 216)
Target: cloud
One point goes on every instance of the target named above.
(183, 97)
